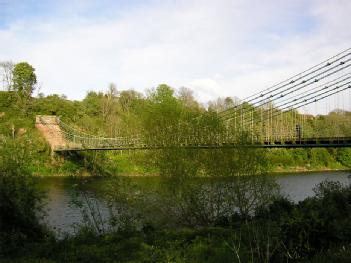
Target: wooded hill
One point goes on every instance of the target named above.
(160, 110)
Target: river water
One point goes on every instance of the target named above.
(62, 215)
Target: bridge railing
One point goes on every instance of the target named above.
(78, 140)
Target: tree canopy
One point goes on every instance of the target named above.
(24, 79)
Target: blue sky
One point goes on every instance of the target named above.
(12, 10)
(216, 48)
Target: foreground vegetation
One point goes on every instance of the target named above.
(177, 221)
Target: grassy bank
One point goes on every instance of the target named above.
(292, 170)
(135, 164)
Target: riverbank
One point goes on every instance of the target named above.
(275, 172)
(293, 170)
(227, 239)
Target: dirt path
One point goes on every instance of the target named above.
(49, 128)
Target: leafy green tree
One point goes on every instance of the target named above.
(24, 81)
(56, 105)
(92, 104)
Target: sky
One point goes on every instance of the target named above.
(216, 48)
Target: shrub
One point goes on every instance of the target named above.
(320, 157)
(20, 199)
(344, 156)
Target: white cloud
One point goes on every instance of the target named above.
(217, 48)
(206, 89)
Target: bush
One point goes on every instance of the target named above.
(316, 224)
(281, 157)
(344, 156)
(320, 157)
(20, 199)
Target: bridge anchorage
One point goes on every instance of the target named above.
(277, 117)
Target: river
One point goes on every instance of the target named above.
(62, 215)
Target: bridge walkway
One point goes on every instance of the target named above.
(63, 138)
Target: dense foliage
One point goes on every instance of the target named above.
(20, 199)
(161, 116)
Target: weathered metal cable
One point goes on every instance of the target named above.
(292, 79)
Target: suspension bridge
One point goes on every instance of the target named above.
(277, 117)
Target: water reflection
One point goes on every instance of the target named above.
(62, 215)
(299, 186)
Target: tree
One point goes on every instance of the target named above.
(6, 71)
(127, 99)
(24, 81)
(109, 100)
(92, 104)
(222, 104)
(187, 98)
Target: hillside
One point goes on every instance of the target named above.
(113, 114)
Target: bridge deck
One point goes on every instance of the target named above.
(327, 142)
(63, 138)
